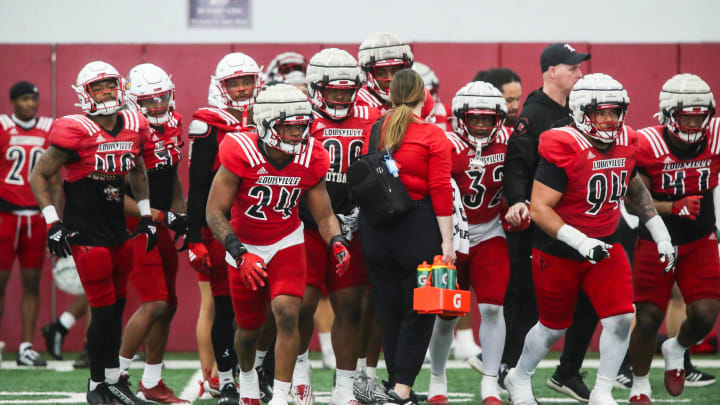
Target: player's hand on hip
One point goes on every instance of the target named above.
(199, 258)
(147, 227)
(340, 249)
(58, 235)
(594, 250)
(688, 207)
(667, 255)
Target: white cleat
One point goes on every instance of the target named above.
(437, 390)
(302, 395)
(520, 390)
(601, 398)
(341, 398)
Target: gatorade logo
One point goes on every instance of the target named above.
(457, 298)
(445, 279)
(422, 279)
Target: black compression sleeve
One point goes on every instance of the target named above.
(204, 151)
(551, 175)
(520, 162)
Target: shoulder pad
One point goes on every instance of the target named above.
(457, 142)
(215, 116)
(714, 136)
(198, 129)
(239, 147)
(44, 123)
(6, 122)
(651, 141)
(502, 136)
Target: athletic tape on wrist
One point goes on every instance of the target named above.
(50, 214)
(144, 207)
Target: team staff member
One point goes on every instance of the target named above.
(544, 108)
(23, 138)
(509, 84)
(393, 252)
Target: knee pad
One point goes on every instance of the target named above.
(618, 325)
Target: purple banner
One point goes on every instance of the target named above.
(219, 13)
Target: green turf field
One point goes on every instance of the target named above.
(62, 385)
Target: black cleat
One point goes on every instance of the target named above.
(54, 334)
(99, 396)
(572, 386)
(697, 378)
(229, 395)
(624, 379)
(265, 381)
(121, 392)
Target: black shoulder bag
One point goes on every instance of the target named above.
(380, 195)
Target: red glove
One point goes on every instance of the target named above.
(339, 246)
(252, 270)
(687, 207)
(199, 258)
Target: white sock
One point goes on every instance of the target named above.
(489, 386)
(93, 385)
(538, 342)
(325, 342)
(112, 375)
(372, 372)
(361, 365)
(67, 320)
(677, 360)
(640, 385)
(152, 375)
(281, 389)
(225, 377)
(492, 337)
(249, 385)
(442, 336)
(344, 380)
(301, 374)
(603, 384)
(464, 337)
(125, 363)
(24, 345)
(259, 357)
(614, 341)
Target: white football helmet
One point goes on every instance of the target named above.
(94, 72)
(474, 101)
(686, 94)
(333, 68)
(379, 50)
(278, 107)
(432, 83)
(234, 65)
(152, 92)
(598, 91)
(66, 276)
(287, 67)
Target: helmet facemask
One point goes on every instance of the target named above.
(156, 107)
(689, 124)
(380, 74)
(336, 105)
(480, 126)
(239, 91)
(111, 95)
(289, 134)
(605, 129)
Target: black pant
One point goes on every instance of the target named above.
(391, 255)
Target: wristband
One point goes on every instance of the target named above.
(50, 214)
(571, 236)
(234, 246)
(339, 238)
(657, 229)
(144, 208)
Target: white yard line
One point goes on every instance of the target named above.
(192, 388)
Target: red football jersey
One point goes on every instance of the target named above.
(366, 97)
(597, 180)
(265, 207)
(223, 121)
(95, 150)
(163, 147)
(443, 116)
(481, 187)
(20, 149)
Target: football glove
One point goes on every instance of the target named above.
(349, 223)
(58, 235)
(251, 266)
(667, 255)
(147, 226)
(199, 258)
(594, 250)
(340, 247)
(687, 207)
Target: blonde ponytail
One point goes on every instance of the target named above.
(407, 90)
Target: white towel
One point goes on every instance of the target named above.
(461, 236)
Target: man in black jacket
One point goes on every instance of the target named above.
(545, 108)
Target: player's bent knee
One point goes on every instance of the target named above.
(702, 314)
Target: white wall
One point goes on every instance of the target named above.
(341, 21)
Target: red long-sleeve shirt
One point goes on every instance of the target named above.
(424, 160)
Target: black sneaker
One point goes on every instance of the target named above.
(265, 381)
(54, 334)
(98, 396)
(394, 398)
(624, 378)
(83, 360)
(121, 392)
(697, 378)
(229, 395)
(572, 386)
(30, 358)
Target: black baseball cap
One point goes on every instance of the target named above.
(22, 87)
(558, 53)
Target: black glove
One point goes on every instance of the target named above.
(177, 223)
(147, 227)
(58, 236)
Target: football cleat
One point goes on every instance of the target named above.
(697, 378)
(601, 398)
(624, 378)
(520, 390)
(210, 386)
(674, 377)
(572, 386)
(303, 394)
(54, 334)
(475, 362)
(249, 401)
(98, 396)
(120, 392)
(265, 381)
(492, 401)
(437, 390)
(229, 395)
(367, 390)
(30, 358)
(640, 399)
(159, 394)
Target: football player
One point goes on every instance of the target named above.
(287, 67)
(232, 90)
(98, 151)
(679, 161)
(262, 178)
(152, 93)
(333, 80)
(478, 155)
(585, 170)
(441, 114)
(23, 139)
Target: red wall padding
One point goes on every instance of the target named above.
(642, 68)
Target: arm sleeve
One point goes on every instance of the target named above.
(439, 165)
(203, 154)
(520, 162)
(551, 175)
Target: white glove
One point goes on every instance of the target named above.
(667, 254)
(592, 249)
(349, 223)
(661, 236)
